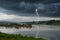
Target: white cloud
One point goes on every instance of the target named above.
(14, 18)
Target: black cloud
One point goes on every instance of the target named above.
(33, 1)
(49, 8)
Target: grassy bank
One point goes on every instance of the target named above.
(4, 36)
(54, 23)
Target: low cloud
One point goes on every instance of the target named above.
(15, 18)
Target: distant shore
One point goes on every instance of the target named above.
(29, 24)
(53, 22)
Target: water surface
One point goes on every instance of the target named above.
(49, 32)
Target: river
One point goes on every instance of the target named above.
(49, 32)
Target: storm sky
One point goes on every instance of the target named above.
(24, 10)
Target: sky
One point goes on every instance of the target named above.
(24, 10)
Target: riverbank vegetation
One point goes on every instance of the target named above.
(49, 22)
(4, 36)
(53, 22)
(11, 25)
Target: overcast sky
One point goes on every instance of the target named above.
(24, 10)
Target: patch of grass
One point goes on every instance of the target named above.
(4, 36)
(54, 23)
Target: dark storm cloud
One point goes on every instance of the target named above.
(33, 1)
(49, 8)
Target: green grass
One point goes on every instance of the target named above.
(4, 36)
(54, 23)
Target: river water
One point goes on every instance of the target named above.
(48, 32)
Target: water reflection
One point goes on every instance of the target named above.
(45, 31)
